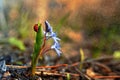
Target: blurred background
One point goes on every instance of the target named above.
(93, 25)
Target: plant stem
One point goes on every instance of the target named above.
(36, 57)
(33, 66)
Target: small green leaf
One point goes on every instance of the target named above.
(39, 40)
(116, 54)
(82, 57)
(68, 76)
(16, 42)
(37, 47)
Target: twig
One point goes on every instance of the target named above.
(106, 77)
(48, 73)
(16, 67)
(56, 66)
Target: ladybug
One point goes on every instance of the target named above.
(36, 27)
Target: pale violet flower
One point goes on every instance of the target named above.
(53, 36)
(48, 27)
(50, 34)
(56, 47)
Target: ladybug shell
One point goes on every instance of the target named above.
(36, 27)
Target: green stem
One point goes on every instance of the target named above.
(36, 57)
(33, 65)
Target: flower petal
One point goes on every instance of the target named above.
(48, 27)
(55, 46)
(53, 35)
(58, 52)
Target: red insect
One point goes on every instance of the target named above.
(36, 27)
